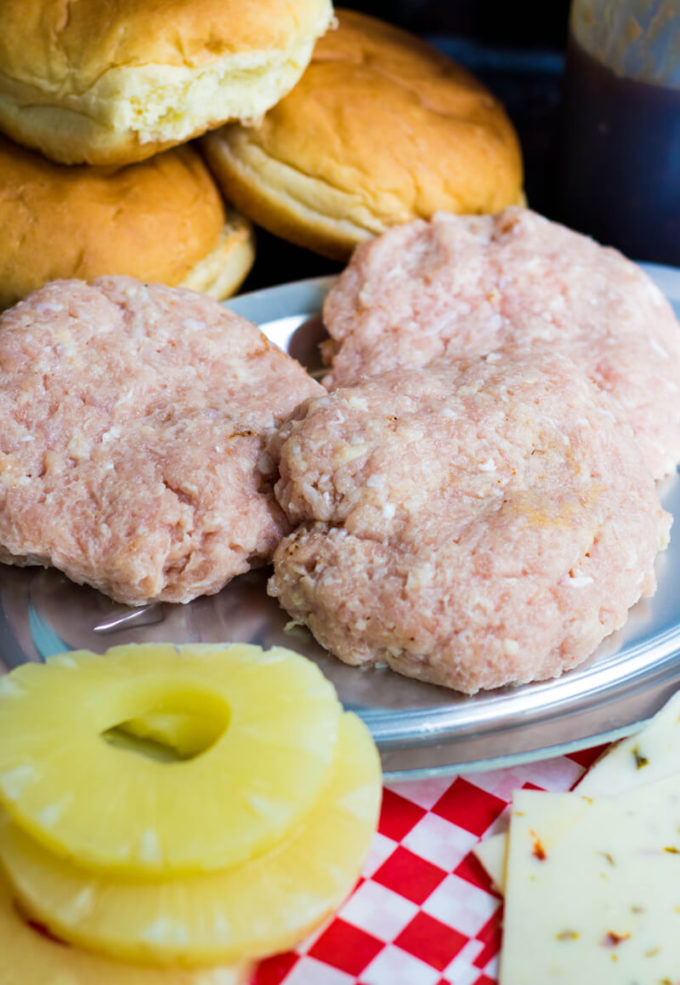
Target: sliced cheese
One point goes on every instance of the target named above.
(492, 854)
(593, 888)
(650, 754)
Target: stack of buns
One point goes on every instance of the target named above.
(98, 99)
(323, 137)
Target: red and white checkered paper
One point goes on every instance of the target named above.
(423, 911)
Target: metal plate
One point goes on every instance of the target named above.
(420, 729)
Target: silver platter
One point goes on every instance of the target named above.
(420, 729)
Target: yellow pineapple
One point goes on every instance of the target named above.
(271, 739)
(259, 907)
(28, 957)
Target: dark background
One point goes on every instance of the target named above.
(509, 25)
(516, 49)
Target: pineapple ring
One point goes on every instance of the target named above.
(263, 906)
(28, 957)
(109, 808)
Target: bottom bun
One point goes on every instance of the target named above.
(161, 221)
(223, 270)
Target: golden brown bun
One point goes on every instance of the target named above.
(380, 129)
(162, 220)
(115, 81)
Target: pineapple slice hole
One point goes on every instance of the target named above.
(156, 709)
(168, 731)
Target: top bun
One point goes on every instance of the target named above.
(381, 129)
(115, 81)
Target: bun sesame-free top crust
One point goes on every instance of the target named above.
(116, 81)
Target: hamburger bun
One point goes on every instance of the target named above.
(162, 221)
(115, 82)
(381, 129)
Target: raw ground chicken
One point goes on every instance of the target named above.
(472, 525)
(133, 419)
(462, 286)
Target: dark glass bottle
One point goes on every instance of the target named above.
(619, 161)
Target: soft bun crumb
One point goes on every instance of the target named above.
(381, 129)
(162, 220)
(85, 84)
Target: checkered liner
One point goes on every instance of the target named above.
(423, 911)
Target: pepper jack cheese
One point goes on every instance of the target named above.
(593, 888)
(649, 755)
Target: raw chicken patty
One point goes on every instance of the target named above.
(132, 426)
(471, 525)
(462, 286)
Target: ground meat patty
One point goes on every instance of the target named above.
(132, 427)
(470, 525)
(461, 286)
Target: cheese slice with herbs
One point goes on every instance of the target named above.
(650, 754)
(593, 888)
